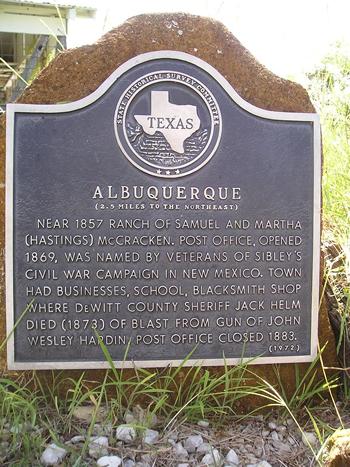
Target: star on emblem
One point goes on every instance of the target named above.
(168, 172)
(177, 171)
(159, 171)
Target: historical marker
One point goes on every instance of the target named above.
(165, 211)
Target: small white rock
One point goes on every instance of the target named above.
(258, 452)
(272, 426)
(203, 423)
(77, 439)
(309, 438)
(126, 433)
(109, 461)
(129, 418)
(128, 463)
(53, 455)
(193, 442)
(232, 457)
(180, 452)
(263, 464)
(281, 429)
(282, 447)
(183, 465)
(274, 435)
(150, 436)
(180, 32)
(265, 433)
(204, 448)
(212, 459)
(174, 435)
(98, 446)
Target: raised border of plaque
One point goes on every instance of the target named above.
(11, 111)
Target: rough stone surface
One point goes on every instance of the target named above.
(53, 455)
(76, 73)
(339, 449)
(202, 37)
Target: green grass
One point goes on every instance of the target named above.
(336, 185)
(329, 88)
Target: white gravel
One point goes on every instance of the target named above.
(77, 439)
(232, 457)
(53, 455)
(203, 423)
(109, 461)
(193, 442)
(254, 442)
(150, 436)
(213, 459)
(180, 452)
(128, 463)
(204, 448)
(126, 433)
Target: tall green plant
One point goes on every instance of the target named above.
(329, 88)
